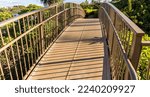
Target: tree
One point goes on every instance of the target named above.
(86, 2)
(5, 15)
(49, 2)
(139, 12)
(130, 5)
(17, 9)
(29, 8)
(124, 3)
(3, 9)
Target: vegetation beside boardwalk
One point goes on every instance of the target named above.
(91, 10)
(6, 13)
(139, 12)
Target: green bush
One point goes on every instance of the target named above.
(144, 60)
(90, 10)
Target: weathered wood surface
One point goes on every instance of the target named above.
(78, 54)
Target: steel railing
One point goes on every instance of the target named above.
(124, 41)
(24, 39)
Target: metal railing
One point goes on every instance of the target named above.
(124, 41)
(24, 39)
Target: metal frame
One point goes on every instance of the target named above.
(124, 41)
(27, 37)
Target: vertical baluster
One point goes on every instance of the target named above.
(49, 31)
(36, 37)
(33, 38)
(30, 41)
(26, 40)
(22, 47)
(12, 51)
(39, 40)
(5, 52)
(41, 32)
(2, 72)
(128, 43)
(64, 15)
(18, 52)
(56, 19)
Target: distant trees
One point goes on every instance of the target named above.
(85, 3)
(91, 9)
(17, 9)
(6, 13)
(49, 2)
(29, 8)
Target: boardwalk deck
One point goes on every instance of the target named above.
(78, 54)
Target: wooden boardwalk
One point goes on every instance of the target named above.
(78, 54)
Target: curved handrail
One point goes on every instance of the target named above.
(115, 35)
(25, 33)
(36, 31)
(130, 23)
(3, 23)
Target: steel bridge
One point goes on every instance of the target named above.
(58, 43)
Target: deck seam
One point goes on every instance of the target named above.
(75, 52)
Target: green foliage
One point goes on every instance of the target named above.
(5, 15)
(3, 9)
(17, 9)
(90, 10)
(139, 13)
(49, 2)
(29, 8)
(144, 60)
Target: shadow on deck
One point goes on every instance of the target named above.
(78, 54)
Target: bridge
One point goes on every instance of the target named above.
(58, 43)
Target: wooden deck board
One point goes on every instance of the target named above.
(78, 54)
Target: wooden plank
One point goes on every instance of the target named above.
(78, 54)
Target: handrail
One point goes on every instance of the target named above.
(120, 63)
(3, 23)
(25, 38)
(129, 33)
(130, 23)
(145, 43)
(129, 65)
(25, 33)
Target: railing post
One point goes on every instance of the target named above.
(57, 26)
(64, 15)
(71, 11)
(76, 11)
(136, 50)
(114, 23)
(41, 32)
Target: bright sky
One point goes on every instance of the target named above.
(6, 3)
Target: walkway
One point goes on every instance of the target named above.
(78, 54)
